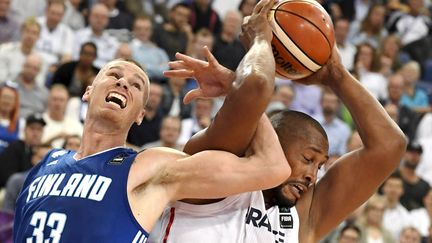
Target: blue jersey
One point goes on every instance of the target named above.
(68, 200)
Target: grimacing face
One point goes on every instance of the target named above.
(305, 157)
(118, 93)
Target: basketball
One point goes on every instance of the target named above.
(303, 37)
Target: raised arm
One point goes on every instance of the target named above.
(248, 90)
(355, 177)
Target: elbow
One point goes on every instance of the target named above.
(260, 83)
(395, 146)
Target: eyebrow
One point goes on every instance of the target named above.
(135, 74)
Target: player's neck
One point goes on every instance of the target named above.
(96, 139)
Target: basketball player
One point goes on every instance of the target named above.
(107, 193)
(300, 210)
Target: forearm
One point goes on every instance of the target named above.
(235, 123)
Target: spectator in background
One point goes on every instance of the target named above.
(73, 17)
(28, 9)
(13, 55)
(346, 49)
(72, 142)
(396, 216)
(9, 25)
(246, 7)
(371, 222)
(410, 26)
(96, 33)
(201, 38)
(204, 16)
(148, 130)
(406, 118)
(33, 97)
(172, 101)
(17, 156)
(58, 126)
(169, 133)
(228, 49)
(390, 55)
(355, 10)
(152, 58)
(120, 22)
(371, 30)
(124, 51)
(415, 187)
(10, 124)
(77, 75)
(175, 34)
(311, 105)
(424, 129)
(285, 94)
(200, 119)
(16, 180)
(414, 97)
(421, 217)
(350, 233)
(366, 69)
(155, 9)
(56, 41)
(410, 235)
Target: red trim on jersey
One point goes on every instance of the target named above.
(168, 228)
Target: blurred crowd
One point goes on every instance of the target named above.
(50, 51)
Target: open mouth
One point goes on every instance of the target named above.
(117, 99)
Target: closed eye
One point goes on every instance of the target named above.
(137, 85)
(115, 75)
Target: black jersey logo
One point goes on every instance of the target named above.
(285, 218)
(118, 160)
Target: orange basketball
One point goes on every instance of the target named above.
(303, 37)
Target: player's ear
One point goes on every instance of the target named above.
(87, 93)
(140, 117)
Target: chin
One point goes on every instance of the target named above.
(283, 200)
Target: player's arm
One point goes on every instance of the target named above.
(248, 91)
(355, 176)
(216, 174)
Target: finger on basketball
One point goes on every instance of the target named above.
(183, 73)
(259, 6)
(192, 95)
(266, 8)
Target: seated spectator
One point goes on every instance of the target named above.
(77, 75)
(366, 69)
(415, 187)
(72, 142)
(228, 49)
(371, 222)
(9, 24)
(371, 30)
(200, 119)
(424, 129)
(33, 98)
(169, 133)
(246, 7)
(120, 22)
(421, 217)
(13, 55)
(410, 235)
(58, 126)
(414, 97)
(283, 97)
(350, 233)
(124, 51)
(73, 17)
(204, 16)
(16, 180)
(406, 118)
(29, 9)
(174, 35)
(172, 101)
(152, 58)
(346, 49)
(56, 41)
(148, 130)
(391, 57)
(17, 156)
(396, 216)
(96, 32)
(311, 105)
(10, 124)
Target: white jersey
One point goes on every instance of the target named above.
(241, 218)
